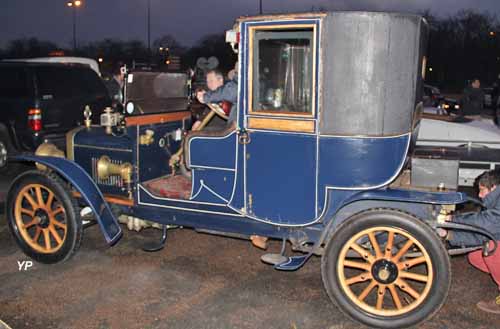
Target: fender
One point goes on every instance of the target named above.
(79, 178)
(402, 199)
(414, 199)
(410, 196)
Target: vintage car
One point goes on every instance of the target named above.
(319, 157)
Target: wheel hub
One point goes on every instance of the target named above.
(42, 217)
(384, 271)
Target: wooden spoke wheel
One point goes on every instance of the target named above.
(43, 217)
(386, 269)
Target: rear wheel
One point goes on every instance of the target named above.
(43, 217)
(386, 268)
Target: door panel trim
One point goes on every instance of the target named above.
(281, 124)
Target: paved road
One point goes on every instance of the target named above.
(198, 281)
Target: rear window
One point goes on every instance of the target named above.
(13, 83)
(67, 82)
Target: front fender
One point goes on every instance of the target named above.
(81, 181)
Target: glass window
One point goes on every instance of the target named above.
(283, 71)
(13, 83)
(55, 83)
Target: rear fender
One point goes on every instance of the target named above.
(82, 182)
(418, 203)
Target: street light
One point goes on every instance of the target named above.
(74, 5)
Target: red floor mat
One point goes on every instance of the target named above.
(174, 187)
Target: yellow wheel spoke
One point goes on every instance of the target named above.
(363, 252)
(403, 285)
(28, 212)
(388, 246)
(39, 196)
(367, 290)
(411, 262)
(37, 234)
(46, 237)
(359, 278)
(359, 265)
(32, 202)
(413, 276)
(30, 224)
(58, 224)
(375, 245)
(50, 198)
(395, 296)
(56, 236)
(380, 297)
(402, 251)
(57, 211)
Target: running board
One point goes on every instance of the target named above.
(293, 263)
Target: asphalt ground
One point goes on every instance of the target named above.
(197, 281)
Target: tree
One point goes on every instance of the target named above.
(29, 47)
(212, 45)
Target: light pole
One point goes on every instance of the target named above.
(74, 5)
(149, 26)
(260, 7)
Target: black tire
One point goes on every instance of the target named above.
(385, 270)
(35, 217)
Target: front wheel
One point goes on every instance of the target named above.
(43, 217)
(385, 268)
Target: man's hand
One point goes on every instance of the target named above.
(199, 96)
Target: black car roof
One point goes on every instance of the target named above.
(21, 63)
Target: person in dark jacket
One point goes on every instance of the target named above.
(219, 91)
(488, 219)
(473, 99)
(115, 84)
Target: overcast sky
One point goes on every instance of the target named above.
(187, 20)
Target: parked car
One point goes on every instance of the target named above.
(305, 163)
(42, 101)
(432, 96)
(92, 63)
(475, 143)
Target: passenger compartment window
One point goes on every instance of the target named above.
(282, 71)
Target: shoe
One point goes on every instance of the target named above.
(490, 306)
(259, 241)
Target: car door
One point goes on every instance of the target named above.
(281, 115)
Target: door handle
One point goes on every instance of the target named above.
(244, 137)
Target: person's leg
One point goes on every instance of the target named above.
(476, 259)
(493, 266)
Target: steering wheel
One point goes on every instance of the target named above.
(219, 110)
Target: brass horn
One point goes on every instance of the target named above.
(106, 168)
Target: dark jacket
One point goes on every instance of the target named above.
(227, 92)
(473, 101)
(487, 219)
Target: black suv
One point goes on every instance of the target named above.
(43, 101)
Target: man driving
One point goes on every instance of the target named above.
(218, 92)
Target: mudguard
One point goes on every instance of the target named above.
(79, 178)
(394, 195)
(410, 196)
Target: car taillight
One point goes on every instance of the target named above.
(35, 119)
